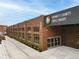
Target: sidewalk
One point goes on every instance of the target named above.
(3, 52)
(13, 51)
(62, 52)
(30, 52)
(18, 50)
(25, 48)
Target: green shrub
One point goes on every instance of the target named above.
(40, 50)
(29, 43)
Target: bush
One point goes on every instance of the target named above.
(29, 43)
(40, 50)
(2, 37)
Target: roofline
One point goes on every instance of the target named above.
(63, 10)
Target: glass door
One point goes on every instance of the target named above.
(54, 41)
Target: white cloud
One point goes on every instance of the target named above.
(74, 3)
(1, 14)
(10, 6)
(36, 8)
(39, 7)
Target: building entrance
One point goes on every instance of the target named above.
(54, 41)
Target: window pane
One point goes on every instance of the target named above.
(58, 39)
(58, 43)
(52, 39)
(52, 44)
(55, 43)
(48, 45)
(36, 29)
(29, 36)
(28, 28)
(36, 38)
(48, 40)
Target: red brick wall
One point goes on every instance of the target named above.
(36, 22)
(3, 28)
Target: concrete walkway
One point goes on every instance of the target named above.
(14, 52)
(62, 52)
(12, 49)
(17, 50)
(3, 52)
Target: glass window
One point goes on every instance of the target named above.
(52, 39)
(48, 45)
(48, 40)
(58, 39)
(28, 28)
(22, 29)
(23, 35)
(36, 29)
(36, 38)
(55, 41)
(52, 44)
(29, 36)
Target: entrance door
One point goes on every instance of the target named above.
(54, 41)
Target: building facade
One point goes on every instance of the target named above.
(64, 24)
(2, 29)
(30, 30)
(61, 28)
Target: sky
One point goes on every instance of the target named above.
(15, 11)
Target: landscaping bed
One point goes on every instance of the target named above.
(2, 37)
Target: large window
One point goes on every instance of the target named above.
(19, 29)
(22, 35)
(22, 29)
(36, 29)
(29, 36)
(28, 28)
(36, 38)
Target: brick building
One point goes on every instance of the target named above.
(2, 29)
(30, 30)
(61, 28)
